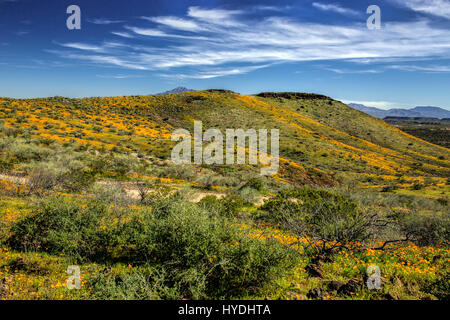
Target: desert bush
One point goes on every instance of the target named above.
(426, 229)
(77, 180)
(143, 189)
(201, 254)
(123, 164)
(249, 195)
(185, 172)
(329, 220)
(142, 284)
(209, 180)
(41, 181)
(228, 206)
(64, 225)
(111, 193)
(5, 165)
(24, 152)
(255, 183)
(440, 287)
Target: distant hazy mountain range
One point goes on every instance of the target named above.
(417, 112)
(176, 90)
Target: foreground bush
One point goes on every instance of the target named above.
(329, 220)
(426, 229)
(200, 252)
(64, 225)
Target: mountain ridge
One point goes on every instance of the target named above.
(416, 112)
(176, 90)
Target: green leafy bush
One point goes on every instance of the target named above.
(329, 220)
(64, 225)
(228, 206)
(426, 229)
(200, 252)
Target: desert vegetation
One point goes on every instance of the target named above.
(89, 182)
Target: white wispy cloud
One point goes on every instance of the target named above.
(216, 73)
(355, 71)
(335, 8)
(21, 32)
(123, 34)
(152, 32)
(219, 37)
(215, 16)
(176, 23)
(435, 7)
(385, 105)
(271, 8)
(108, 60)
(118, 76)
(428, 69)
(83, 46)
(104, 21)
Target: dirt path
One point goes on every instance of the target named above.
(130, 189)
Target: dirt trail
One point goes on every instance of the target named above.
(15, 179)
(131, 190)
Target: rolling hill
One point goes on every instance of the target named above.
(90, 181)
(321, 139)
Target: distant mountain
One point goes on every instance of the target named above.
(433, 112)
(176, 90)
(417, 112)
(379, 113)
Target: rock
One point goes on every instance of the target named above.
(388, 296)
(314, 270)
(352, 285)
(3, 288)
(322, 259)
(316, 293)
(17, 264)
(334, 285)
(436, 259)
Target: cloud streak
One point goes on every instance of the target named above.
(439, 8)
(207, 40)
(335, 8)
(103, 21)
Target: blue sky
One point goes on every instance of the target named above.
(143, 47)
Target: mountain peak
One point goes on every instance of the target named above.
(176, 90)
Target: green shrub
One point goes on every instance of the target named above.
(142, 284)
(77, 180)
(228, 206)
(255, 183)
(27, 152)
(5, 165)
(440, 287)
(330, 220)
(207, 256)
(249, 195)
(426, 229)
(200, 252)
(64, 225)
